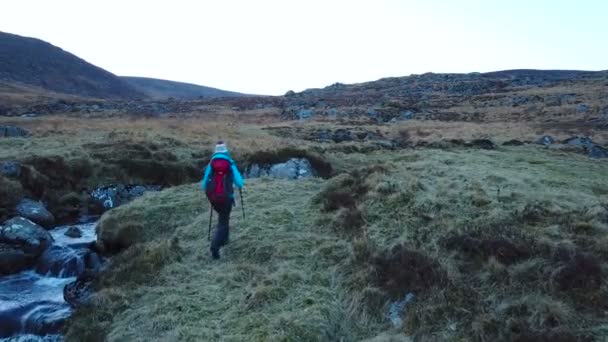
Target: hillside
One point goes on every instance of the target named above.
(163, 89)
(512, 95)
(33, 62)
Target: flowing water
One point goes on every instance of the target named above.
(32, 307)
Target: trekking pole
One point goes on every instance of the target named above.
(210, 219)
(242, 203)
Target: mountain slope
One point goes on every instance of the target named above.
(33, 62)
(161, 89)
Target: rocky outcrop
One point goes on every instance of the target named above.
(295, 168)
(35, 212)
(21, 242)
(114, 195)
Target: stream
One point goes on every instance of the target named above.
(32, 307)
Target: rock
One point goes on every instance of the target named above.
(80, 292)
(342, 135)
(13, 259)
(65, 262)
(485, 144)
(361, 135)
(323, 136)
(73, 232)
(10, 169)
(579, 141)
(114, 195)
(305, 114)
(405, 116)
(597, 152)
(41, 319)
(13, 132)
(293, 169)
(553, 101)
(290, 93)
(21, 242)
(36, 212)
(582, 108)
(546, 140)
(386, 144)
(513, 142)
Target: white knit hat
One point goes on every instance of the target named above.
(220, 147)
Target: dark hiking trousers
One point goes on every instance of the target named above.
(220, 238)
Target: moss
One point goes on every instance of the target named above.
(11, 194)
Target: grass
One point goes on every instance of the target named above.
(504, 244)
(491, 242)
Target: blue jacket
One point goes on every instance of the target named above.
(236, 175)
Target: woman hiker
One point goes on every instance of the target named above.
(220, 175)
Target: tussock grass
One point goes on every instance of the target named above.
(496, 245)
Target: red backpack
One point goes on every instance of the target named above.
(219, 184)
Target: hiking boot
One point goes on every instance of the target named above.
(215, 253)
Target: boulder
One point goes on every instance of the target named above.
(36, 212)
(80, 292)
(292, 169)
(513, 142)
(10, 169)
(73, 232)
(485, 144)
(114, 195)
(342, 135)
(12, 259)
(582, 108)
(546, 140)
(21, 242)
(13, 132)
(597, 152)
(305, 114)
(25, 234)
(65, 262)
(579, 141)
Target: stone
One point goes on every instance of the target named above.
(597, 152)
(13, 259)
(485, 144)
(342, 135)
(513, 142)
(408, 115)
(546, 140)
(305, 114)
(63, 261)
(13, 132)
(27, 235)
(579, 141)
(293, 169)
(36, 212)
(582, 108)
(553, 101)
(21, 242)
(80, 292)
(73, 232)
(10, 169)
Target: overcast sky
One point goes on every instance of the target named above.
(269, 47)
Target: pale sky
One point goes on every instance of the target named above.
(271, 46)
